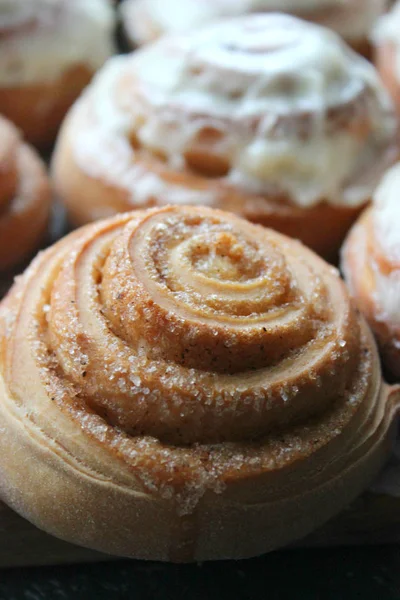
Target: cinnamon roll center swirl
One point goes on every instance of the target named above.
(136, 327)
(223, 257)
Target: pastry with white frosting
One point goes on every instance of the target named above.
(267, 116)
(49, 50)
(146, 20)
(371, 262)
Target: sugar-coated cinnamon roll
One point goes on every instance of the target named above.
(24, 197)
(146, 20)
(49, 50)
(180, 384)
(387, 41)
(371, 263)
(267, 116)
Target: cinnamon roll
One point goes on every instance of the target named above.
(49, 50)
(371, 264)
(146, 20)
(24, 198)
(387, 42)
(180, 384)
(267, 116)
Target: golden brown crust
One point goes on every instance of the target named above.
(24, 198)
(199, 388)
(39, 109)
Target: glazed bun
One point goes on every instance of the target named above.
(146, 20)
(266, 116)
(371, 263)
(49, 50)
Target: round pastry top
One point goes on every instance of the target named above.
(40, 38)
(280, 105)
(186, 325)
(252, 65)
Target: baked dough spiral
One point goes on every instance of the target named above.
(49, 50)
(266, 116)
(24, 198)
(146, 20)
(179, 384)
(371, 263)
(387, 44)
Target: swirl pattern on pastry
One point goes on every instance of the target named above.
(189, 373)
(267, 116)
(371, 262)
(24, 197)
(146, 20)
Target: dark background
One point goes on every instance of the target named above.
(345, 573)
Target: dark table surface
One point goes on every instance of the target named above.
(339, 574)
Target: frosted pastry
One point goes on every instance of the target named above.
(145, 20)
(179, 384)
(24, 198)
(49, 50)
(371, 263)
(267, 116)
(387, 41)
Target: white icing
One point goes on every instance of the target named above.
(352, 19)
(386, 224)
(41, 39)
(387, 213)
(388, 26)
(387, 297)
(256, 80)
(385, 218)
(99, 136)
(388, 31)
